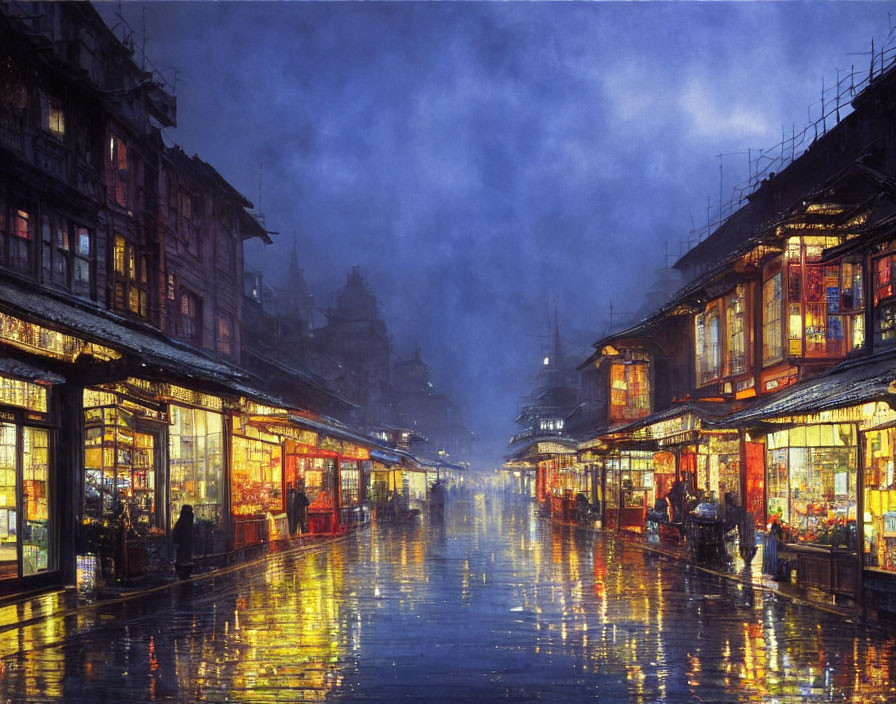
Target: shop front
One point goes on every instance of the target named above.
(257, 498)
(149, 449)
(812, 491)
(317, 472)
(878, 527)
(384, 487)
(674, 448)
(571, 487)
(352, 467)
(123, 509)
(28, 549)
(712, 466)
(628, 489)
(196, 471)
(36, 482)
(416, 482)
(880, 499)
(383, 483)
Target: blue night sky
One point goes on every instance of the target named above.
(483, 162)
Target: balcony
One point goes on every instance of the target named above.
(51, 157)
(535, 433)
(87, 182)
(12, 132)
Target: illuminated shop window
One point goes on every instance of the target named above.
(880, 500)
(257, 477)
(8, 504)
(630, 480)
(320, 482)
(717, 469)
(350, 481)
(196, 459)
(24, 499)
(811, 482)
(119, 466)
(35, 501)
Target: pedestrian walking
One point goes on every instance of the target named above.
(182, 537)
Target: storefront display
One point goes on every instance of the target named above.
(26, 547)
(317, 477)
(718, 467)
(664, 472)
(257, 472)
(629, 484)
(880, 499)
(119, 471)
(196, 464)
(415, 488)
(812, 475)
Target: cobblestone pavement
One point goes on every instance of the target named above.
(490, 603)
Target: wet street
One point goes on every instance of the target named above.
(491, 603)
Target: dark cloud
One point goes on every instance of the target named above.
(484, 160)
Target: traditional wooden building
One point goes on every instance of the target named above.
(778, 367)
(122, 395)
(544, 448)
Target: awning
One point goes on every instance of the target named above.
(544, 446)
(29, 372)
(384, 457)
(678, 421)
(334, 431)
(152, 348)
(849, 384)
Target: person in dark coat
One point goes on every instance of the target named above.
(301, 509)
(770, 553)
(677, 499)
(291, 514)
(182, 537)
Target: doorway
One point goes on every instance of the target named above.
(25, 548)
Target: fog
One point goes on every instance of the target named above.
(489, 163)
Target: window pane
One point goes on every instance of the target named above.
(82, 271)
(23, 224)
(118, 254)
(771, 319)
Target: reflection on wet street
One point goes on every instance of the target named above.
(490, 603)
